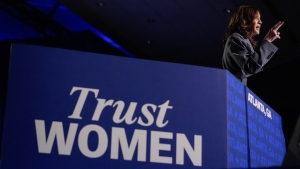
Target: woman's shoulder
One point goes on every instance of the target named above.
(236, 35)
(238, 38)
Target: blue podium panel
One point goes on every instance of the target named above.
(266, 139)
(237, 128)
(70, 109)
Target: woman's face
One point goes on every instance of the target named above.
(256, 24)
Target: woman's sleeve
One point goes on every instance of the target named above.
(249, 60)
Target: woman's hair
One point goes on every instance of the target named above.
(241, 22)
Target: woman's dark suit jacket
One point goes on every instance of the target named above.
(242, 60)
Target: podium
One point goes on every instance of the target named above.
(72, 109)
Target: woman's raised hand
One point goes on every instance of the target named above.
(273, 33)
